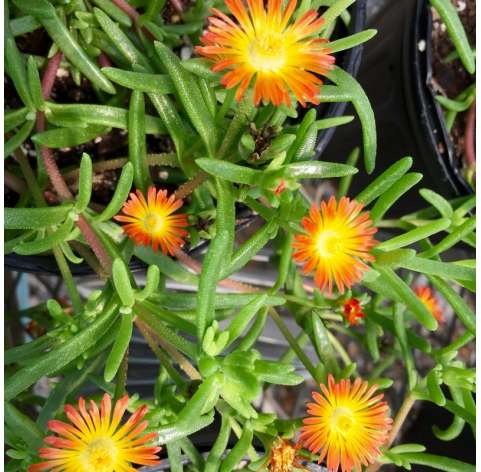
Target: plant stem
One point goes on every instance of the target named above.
(293, 343)
(182, 361)
(401, 416)
(164, 360)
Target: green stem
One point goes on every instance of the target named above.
(293, 343)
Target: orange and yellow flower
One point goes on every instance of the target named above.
(426, 295)
(264, 44)
(352, 310)
(338, 239)
(347, 424)
(283, 456)
(94, 440)
(152, 222)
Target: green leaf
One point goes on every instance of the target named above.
(238, 451)
(459, 306)
(229, 171)
(152, 281)
(45, 243)
(438, 462)
(405, 295)
(46, 14)
(119, 348)
(414, 235)
(401, 335)
(394, 258)
(114, 12)
(245, 315)
(433, 382)
(385, 181)
(190, 96)
(294, 151)
(349, 42)
(58, 358)
(120, 39)
(322, 344)
(456, 235)
(350, 87)
(120, 195)
(438, 202)
(68, 137)
(23, 25)
(18, 139)
(249, 249)
(211, 269)
(451, 19)
(15, 68)
(102, 115)
(34, 84)
(318, 169)
(23, 426)
(178, 130)
(144, 82)
(448, 270)
(57, 397)
(389, 198)
(35, 218)
(176, 431)
(85, 183)
(335, 10)
(121, 279)
(14, 118)
(213, 460)
(137, 144)
(225, 214)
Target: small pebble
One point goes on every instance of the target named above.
(422, 45)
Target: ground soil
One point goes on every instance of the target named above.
(451, 78)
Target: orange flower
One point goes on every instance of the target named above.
(338, 239)
(283, 456)
(426, 295)
(96, 441)
(347, 424)
(264, 43)
(151, 222)
(352, 311)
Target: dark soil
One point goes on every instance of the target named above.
(451, 78)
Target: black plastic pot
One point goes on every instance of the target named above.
(396, 75)
(348, 60)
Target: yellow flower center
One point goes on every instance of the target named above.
(100, 455)
(266, 53)
(342, 420)
(328, 243)
(153, 223)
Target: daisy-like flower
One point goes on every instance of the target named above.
(426, 295)
(352, 310)
(94, 440)
(151, 221)
(338, 239)
(264, 44)
(283, 456)
(347, 424)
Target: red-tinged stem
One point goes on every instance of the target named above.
(13, 182)
(48, 78)
(104, 60)
(469, 151)
(125, 7)
(196, 266)
(94, 242)
(177, 4)
(56, 178)
(188, 187)
(133, 14)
